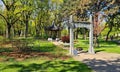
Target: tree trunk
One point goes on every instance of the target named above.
(19, 32)
(6, 32)
(96, 41)
(26, 27)
(37, 30)
(84, 36)
(9, 31)
(84, 32)
(117, 36)
(26, 30)
(108, 33)
(12, 32)
(74, 35)
(77, 34)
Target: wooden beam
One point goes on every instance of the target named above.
(80, 25)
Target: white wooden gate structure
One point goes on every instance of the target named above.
(87, 25)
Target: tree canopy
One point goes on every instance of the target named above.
(40, 13)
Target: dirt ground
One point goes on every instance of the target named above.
(99, 55)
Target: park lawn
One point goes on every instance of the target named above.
(44, 63)
(110, 47)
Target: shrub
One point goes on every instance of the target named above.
(1, 38)
(65, 39)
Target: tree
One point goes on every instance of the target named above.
(28, 7)
(113, 22)
(2, 26)
(41, 16)
(11, 14)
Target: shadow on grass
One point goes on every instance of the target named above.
(108, 43)
(43, 48)
(5, 50)
(104, 66)
(33, 49)
(51, 66)
(99, 50)
(100, 42)
(105, 46)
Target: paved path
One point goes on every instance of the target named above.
(99, 62)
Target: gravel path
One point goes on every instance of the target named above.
(99, 62)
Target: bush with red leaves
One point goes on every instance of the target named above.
(65, 39)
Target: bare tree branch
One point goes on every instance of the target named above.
(4, 18)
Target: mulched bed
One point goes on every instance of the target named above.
(25, 55)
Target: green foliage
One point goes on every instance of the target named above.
(112, 33)
(1, 38)
(19, 13)
(2, 26)
(58, 1)
(64, 32)
(44, 36)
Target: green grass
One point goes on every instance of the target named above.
(45, 46)
(44, 63)
(110, 47)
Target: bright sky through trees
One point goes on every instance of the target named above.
(1, 3)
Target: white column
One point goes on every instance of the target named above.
(71, 36)
(91, 48)
(71, 41)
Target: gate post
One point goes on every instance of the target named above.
(71, 41)
(71, 37)
(91, 47)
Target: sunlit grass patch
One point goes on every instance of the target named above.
(109, 46)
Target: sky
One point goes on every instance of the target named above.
(1, 3)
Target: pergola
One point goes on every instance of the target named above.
(53, 30)
(88, 25)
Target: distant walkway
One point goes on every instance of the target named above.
(99, 62)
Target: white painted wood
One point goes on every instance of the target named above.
(71, 41)
(91, 49)
(70, 20)
(71, 36)
(90, 18)
(80, 25)
(87, 25)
